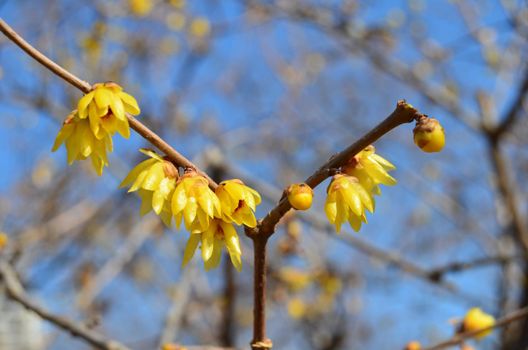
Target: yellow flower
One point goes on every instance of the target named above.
(195, 202)
(371, 170)
(476, 319)
(238, 202)
(295, 279)
(106, 107)
(200, 27)
(300, 196)
(213, 239)
(347, 201)
(140, 7)
(81, 143)
(297, 308)
(155, 180)
(429, 135)
(3, 240)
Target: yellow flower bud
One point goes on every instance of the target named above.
(300, 196)
(476, 319)
(429, 135)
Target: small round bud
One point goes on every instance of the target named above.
(429, 135)
(413, 345)
(300, 196)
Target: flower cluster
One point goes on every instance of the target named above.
(88, 130)
(352, 191)
(209, 216)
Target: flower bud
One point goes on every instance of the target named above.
(300, 196)
(429, 135)
(476, 319)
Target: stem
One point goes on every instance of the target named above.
(260, 341)
(227, 334)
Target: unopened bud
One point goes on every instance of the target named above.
(300, 196)
(429, 135)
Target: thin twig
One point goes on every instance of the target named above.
(174, 156)
(459, 338)
(15, 291)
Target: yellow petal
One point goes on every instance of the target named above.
(214, 261)
(206, 202)
(331, 211)
(166, 217)
(102, 97)
(133, 174)
(377, 173)
(189, 212)
(179, 199)
(365, 197)
(157, 201)
(351, 198)
(190, 248)
(117, 107)
(248, 218)
(382, 161)
(208, 243)
(151, 154)
(130, 103)
(64, 133)
(146, 202)
(178, 219)
(97, 164)
(123, 128)
(154, 176)
(354, 222)
(83, 104)
(231, 238)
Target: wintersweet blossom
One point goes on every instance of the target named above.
(106, 107)
(195, 202)
(346, 201)
(81, 143)
(238, 202)
(154, 179)
(371, 170)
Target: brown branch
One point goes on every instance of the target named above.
(458, 266)
(227, 329)
(260, 341)
(459, 338)
(15, 292)
(404, 113)
(506, 186)
(174, 156)
(513, 112)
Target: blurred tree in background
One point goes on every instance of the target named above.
(267, 91)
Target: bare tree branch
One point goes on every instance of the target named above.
(15, 291)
